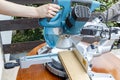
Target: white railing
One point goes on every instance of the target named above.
(5, 38)
(1, 59)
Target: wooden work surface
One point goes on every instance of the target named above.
(36, 72)
(106, 63)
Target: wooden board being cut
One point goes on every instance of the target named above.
(72, 66)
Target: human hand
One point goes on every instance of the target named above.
(47, 10)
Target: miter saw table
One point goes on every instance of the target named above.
(70, 66)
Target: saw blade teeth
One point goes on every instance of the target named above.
(56, 71)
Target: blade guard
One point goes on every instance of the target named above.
(57, 21)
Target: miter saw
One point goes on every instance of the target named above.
(66, 31)
(68, 21)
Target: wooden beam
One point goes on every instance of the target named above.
(18, 24)
(20, 47)
(31, 1)
(72, 66)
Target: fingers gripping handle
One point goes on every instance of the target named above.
(60, 16)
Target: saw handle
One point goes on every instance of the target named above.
(60, 16)
(46, 22)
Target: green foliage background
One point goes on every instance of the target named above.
(108, 3)
(37, 34)
(28, 35)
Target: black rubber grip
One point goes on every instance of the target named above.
(10, 65)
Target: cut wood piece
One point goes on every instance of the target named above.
(73, 68)
(82, 60)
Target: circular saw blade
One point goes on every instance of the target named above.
(56, 71)
(55, 38)
(51, 37)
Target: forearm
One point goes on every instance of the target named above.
(12, 9)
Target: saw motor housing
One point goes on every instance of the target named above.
(69, 20)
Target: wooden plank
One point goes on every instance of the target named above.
(31, 1)
(72, 66)
(20, 47)
(81, 59)
(18, 24)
